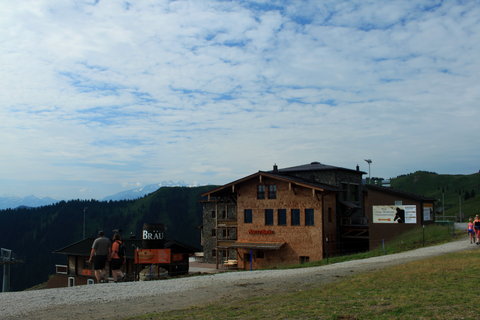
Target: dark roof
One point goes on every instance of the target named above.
(83, 247)
(315, 166)
(278, 176)
(412, 196)
(303, 181)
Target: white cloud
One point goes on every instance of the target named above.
(96, 95)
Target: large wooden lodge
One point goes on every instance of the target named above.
(303, 213)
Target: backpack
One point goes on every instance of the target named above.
(121, 250)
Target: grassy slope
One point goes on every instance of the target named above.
(437, 288)
(455, 188)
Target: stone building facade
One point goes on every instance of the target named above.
(299, 214)
(282, 216)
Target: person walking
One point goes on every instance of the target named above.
(117, 258)
(99, 254)
(471, 231)
(476, 227)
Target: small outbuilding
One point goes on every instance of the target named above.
(78, 271)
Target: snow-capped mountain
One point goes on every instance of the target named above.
(142, 191)
(29, 201)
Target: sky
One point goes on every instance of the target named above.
(101, 96)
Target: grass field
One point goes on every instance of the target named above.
(444, 287)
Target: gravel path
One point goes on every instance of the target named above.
(117, 300)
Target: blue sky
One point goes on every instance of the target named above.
(102, 96)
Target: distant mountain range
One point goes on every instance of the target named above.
(132, 194)
(139, 192)
(29, 201)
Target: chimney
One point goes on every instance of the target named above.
(275, 168)
(358, 168)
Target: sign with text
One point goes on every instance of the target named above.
(261, 231)
(152, 256)
(395, 214)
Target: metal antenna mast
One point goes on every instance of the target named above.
(84, 210)
(369, 161)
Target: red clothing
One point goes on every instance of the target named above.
(115, 248)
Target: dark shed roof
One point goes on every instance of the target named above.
(315, 166)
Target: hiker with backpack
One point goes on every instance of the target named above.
(117, 258)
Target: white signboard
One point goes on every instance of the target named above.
(395, 214)
(427, 212)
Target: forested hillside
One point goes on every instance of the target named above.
(33, 234)
(458, 191)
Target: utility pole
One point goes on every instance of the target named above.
(7, 259)
(369, 161)
(460, 206)
(84, 210)
(443, 203)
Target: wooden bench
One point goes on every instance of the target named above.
(230, 264)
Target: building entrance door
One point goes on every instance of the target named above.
(247, 261)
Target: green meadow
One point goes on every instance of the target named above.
(443, 287)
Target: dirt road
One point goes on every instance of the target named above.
(108, 301)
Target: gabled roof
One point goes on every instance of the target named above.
(315, 166)
(412, 196)
(276, 176)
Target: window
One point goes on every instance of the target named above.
(344, 193)
(90, 281)
(214, 232)
(260, 191)
(260, 254)
(225, 233)
(355, 192)
(224, 214)
(214, 253)
(71, 281)
(213, 214)
(272, 191)
(247, 216)
(304, 259)
(295, 217)
(269, 217)
(309, 217)
(282, 217)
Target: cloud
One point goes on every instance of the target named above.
(103, 94)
